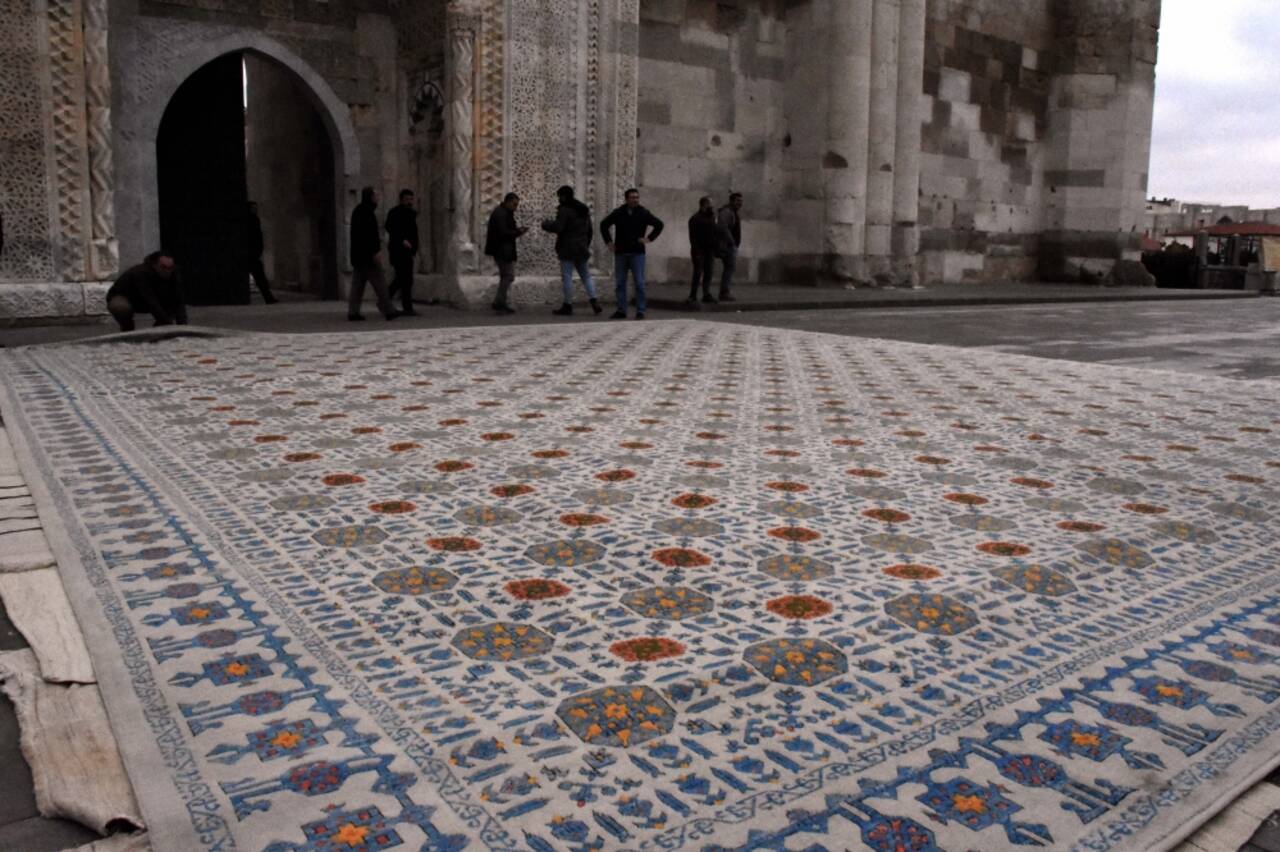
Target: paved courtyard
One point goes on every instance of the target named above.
(749, 534)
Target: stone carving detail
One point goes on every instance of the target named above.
(105, 261)
(24, 187)
(462, 26)
(627, 96)
(66, 71)
(491, 179)
(591, 129)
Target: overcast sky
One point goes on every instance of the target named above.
(1217, 117)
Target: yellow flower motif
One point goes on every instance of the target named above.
(969, 804)
(351, 835)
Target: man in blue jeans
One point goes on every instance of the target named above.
(573, 230)
(636, 228)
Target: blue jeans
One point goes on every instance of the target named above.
(633, 263)
(566, 278)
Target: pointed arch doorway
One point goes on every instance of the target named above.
(252, 124)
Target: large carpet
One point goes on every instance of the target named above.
(661, 586)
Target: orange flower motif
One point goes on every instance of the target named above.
(365, 430)
(497, 436)
(694, 501)
(404, 446)
(269, 439)
(798, 535)
(966, 499)
(635, 445)
(709, 436)
(453, 544)
(511, 490)
(550, 454)
(705, 465)
(681, 557)
(1144, 508)
(969, 804)
(1240, 477)
(938, 460)
(848, 442)
(646, 649)
(582, 519)
(301, 457)
(911, 571)
(888, 516)
(453, 466)
(1080, 526)
(1028, 482)
(392, 507)
(866, 472)
(1004, 548)
(536, 590)
(453, 421)
(335, 479)
(243, 423)
(785, 454)
(789, 487)
(800, 607)
(615, 475)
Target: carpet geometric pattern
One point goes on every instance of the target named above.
(662, 586)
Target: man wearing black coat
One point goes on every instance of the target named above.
(704, 240)
(366, 258)
(151, 287)
(402, 243)
(572, 227)
(636, 228)
(730, 222)
(254, 246)
(500, 244)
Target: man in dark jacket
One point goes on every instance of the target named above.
(704, 239)
(730, 222)
(572, 227)
(500, 244)
(402, 244)
(254, 246)
(636, 228)
(366, 258)
(151, 287)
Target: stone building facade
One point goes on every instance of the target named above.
(878, 142)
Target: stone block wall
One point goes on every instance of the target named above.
(986, 116)
(710, 121)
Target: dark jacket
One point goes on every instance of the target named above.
(500, 239)
(730, 223)
(704, 233)
(366, 239)
(148, 293)
(573, 230)
(253, 242)
(632, 224)
(402, 226)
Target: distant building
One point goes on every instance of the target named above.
(1166, 217)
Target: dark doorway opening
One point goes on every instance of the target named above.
(242, 128)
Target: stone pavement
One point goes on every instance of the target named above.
(1233, 338)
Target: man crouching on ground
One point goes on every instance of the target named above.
(151, 287)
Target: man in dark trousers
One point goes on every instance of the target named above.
(730, 221)
(636, 227)
(572, 227)
(704, 240)
(500, 244)
(151, 287)
(254, 246)
(402, 243)
(366, 258)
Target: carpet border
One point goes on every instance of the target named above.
(137, 747)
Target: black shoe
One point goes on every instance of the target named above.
(708, 299)
(619, 314)
(392, 315)
(504, 309)
(595, 306)
(408, 312)
(269, 300)
(640, 315)
(691, 304)
(727, 297)
(565, 310)
(355, 318)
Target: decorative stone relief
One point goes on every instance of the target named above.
(626, 96)
(463, 25)
(105, 261)
(24, 172)
(491, 177)
(70, 154)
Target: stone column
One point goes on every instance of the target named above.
(844, 164)
(104, 261)
(462, 24)
(883, 138)
(906, 168)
